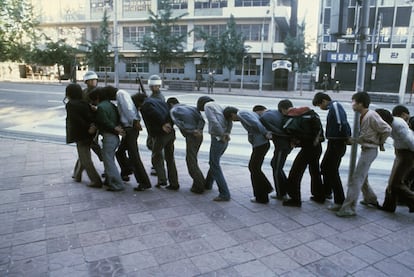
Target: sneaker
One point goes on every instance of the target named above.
(125, 178)
(254, 200)
(279, 197)
(170, 187)
(142, 187)
(196, 190)
(317, 200)
(371, 204)
(334, 207)
(95, 185)
(221, 199)
(292, 203)
(345, 213)
(159, 185)
(114, 189)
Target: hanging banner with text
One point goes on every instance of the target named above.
(349, 57)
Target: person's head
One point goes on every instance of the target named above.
(154, 83)
(411, 123)
(284, 106)
(172, 101)
(110, 92)
(202, 101)
(259, 109)
(230, 113)
(91, 79)
(97, 95)
(360, 101)
(73, 92)
(321, 100)
(385, 115)
(401, 111)
(138, 99)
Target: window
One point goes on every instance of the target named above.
(174, 68)
(136, 65)
(250, 67)
(210, 4)
(135, 33)
(251, 3)
(210, 30)
(100, 5)
(105, 69)
(136, 5)
(252, 32)
(175, 4)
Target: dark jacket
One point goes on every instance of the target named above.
(107, 117)
(337, 126)
(273, 121)
(78, 120)
(155, 113)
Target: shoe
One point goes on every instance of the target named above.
(365, 203)
(334, 207)
(159, 185)
(153, 172)
(125, 178)
(345, 213)
(114, 189)
(328, 196)
(386, 209)
(197, 190)
(279, 197)
(95, 185)
(221, 199)
(170, 187)
(77, 180)
(317, 200)
(292, 203)
(254, 200)
(142, 187)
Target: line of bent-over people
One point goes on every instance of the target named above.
(92, 112)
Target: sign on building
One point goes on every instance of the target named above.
(281, 64)
(349, 57)
(395, 56)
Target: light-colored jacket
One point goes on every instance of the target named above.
(218, 126)
(373, 130)
(127, 111)
(402, 135)
(256, 132)
(187, 118)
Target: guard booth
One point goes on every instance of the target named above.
(281, 69)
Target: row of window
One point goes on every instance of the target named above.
(136, 65)
(145, 5)
(251, 32)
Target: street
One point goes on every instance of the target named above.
(36, 111)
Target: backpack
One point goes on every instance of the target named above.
(303, 126)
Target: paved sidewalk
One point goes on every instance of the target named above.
(53, 226)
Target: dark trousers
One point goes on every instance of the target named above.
(163, 150)
(192, 148)
(278, 162)
(260, 183)
(396, 188)
(330, 169)
(308, 156)
(129, 143)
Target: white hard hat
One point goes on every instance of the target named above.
(154, 80)
(90, 75)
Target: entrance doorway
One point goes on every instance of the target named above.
(281, 77)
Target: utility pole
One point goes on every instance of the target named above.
(362, 60)
(116, 58)
(407, 58)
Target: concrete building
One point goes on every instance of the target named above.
(391, 24)
(79, 21)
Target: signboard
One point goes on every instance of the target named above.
(395, 55)
(281, 64)
(349, 57)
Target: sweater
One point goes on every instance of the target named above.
(373, 130)
(402, 135)
(256, 132)
(218, 126)
(187, 118)
(127, 111)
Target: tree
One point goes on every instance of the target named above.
(295, 48)
(163, 45)
(99, 54)
(228, 51)
(17, 29)
(56, 52)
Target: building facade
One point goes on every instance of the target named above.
(79, 20)
(388, 44)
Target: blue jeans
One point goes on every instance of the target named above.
(110, 143)
(217, 149)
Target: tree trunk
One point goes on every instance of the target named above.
(229, 80)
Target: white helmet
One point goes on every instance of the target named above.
(90, 75)
(154, 80)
